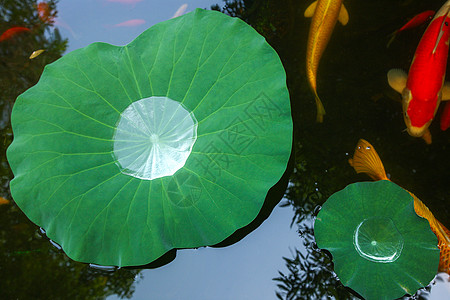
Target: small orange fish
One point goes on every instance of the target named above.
(13, 31)
(418, 20)
(3, 201)
(366, 160)
(36, 53)
(414, 22)
(45, 12)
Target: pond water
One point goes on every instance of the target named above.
(353, 87)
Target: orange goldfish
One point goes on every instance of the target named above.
(325, 14)
(366, 160)
(13, 31)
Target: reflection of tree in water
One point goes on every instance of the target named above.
(364, 110)
(30, 267)
(17, 71)
(263, 15)
(311, 273)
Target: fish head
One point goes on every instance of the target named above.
(444, 10)
(417, 131)
(417, 114)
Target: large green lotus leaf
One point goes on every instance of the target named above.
(172, 141)
(381, 248)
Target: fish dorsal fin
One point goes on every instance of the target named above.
(441, 31)
(366, 160)
(442, 233)
(446, 91)
(309, 12)
(343, 15)
(397, 79)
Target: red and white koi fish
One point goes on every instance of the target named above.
(423, 88)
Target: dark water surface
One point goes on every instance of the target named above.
(353, 86)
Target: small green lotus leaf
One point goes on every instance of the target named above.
(381, 248)
(172, 141)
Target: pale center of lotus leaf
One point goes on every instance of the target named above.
(377, 239)
(154, 137)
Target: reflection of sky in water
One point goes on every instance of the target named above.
(115, 21)
(441, 288)
(241, 271)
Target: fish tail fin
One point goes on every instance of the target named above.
(392, 37)
(442, 233)
(320, 108)
(445, 117)
(427, 137)
(366, 160)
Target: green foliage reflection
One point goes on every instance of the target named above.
(30, 267)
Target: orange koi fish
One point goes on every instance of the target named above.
(325, 14)
(414, 22)
(13, 31)
(423, 88)
(366, 160)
